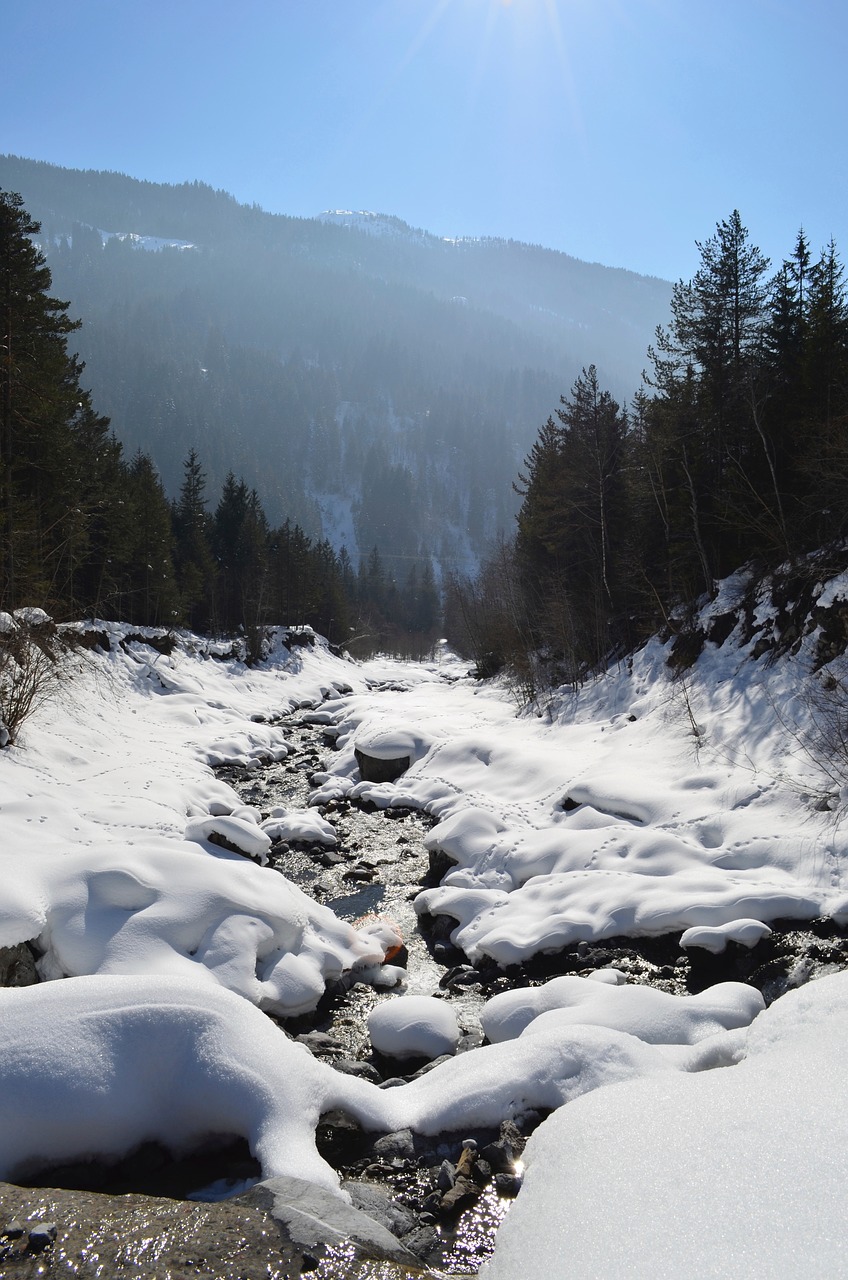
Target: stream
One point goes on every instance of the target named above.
(378, 867)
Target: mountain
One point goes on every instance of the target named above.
(378, 384)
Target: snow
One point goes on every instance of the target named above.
(110, 854)
(153, 244)
(121, 1060)
(607, 816)
(655, 1016)
(373, 224)
(300, 824)
(737, 1172)
(746, 932)
(413, 1027)
(701, 1128)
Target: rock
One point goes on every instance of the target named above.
(446, 1177)
(508, 1184)
(503, 1153)
(395, 1146)
(17, 966)
(463, 1193)
(319, 1042)
(376, 1200)
(313, 1217)
(124, 1237)
(339, 1138)
(352, 1067)
(423, 1242)
(373, 769)
(41, 1236)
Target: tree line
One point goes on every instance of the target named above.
(84, 531)
(733, 451)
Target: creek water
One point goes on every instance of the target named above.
(377, 867)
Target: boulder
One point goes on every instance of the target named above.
(375, 769)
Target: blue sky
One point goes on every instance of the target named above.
(620, 131)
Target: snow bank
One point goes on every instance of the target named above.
(609, 816)
(112, 854)
(122, 1060)
(738, 1172)
(92, 1066)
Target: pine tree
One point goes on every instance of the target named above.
(54, 449)
(715, 346)
(151, 583)
(195, 565)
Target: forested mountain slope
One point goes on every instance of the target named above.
(380, 389)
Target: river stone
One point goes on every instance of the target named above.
(373, 769)
(126, 1237)
(376, 1200)
(17, 966)
(314, 1217)
(395, 1146)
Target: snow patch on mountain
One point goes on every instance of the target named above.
(153, 244)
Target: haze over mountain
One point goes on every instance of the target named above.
(374, 382)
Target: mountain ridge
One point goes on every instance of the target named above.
(304, 354)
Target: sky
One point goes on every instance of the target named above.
(619, 131)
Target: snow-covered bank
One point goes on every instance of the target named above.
(644, 805)
(106, 809)
(724, 1173)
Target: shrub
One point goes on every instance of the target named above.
(29, 671)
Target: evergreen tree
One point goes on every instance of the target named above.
(715, 346)
(151, 583)
(240, 539)
(573, 522)
(54, 449)
(195, 565)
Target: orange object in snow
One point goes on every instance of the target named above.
(386, 929)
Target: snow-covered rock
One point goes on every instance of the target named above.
(413, 1027)
(646, 1012)
(300, 824)
(746, 932)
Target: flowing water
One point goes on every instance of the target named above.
(378, 866)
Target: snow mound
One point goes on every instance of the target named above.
(299, 824)
(413, 1027)
(232, 832)
(648, 1013)
(746, 932)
